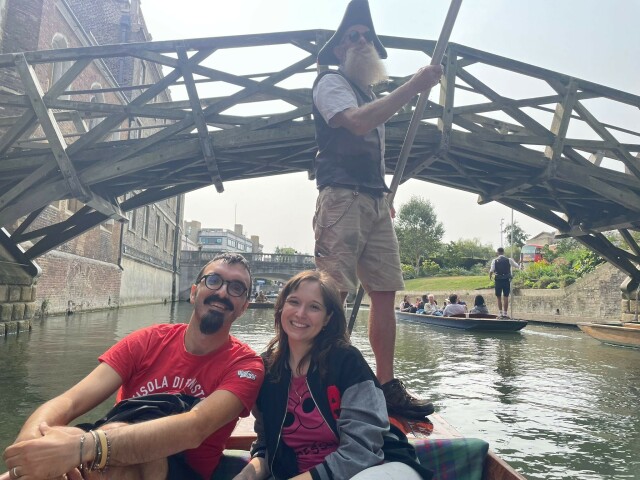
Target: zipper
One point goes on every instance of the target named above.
(306, 380)
(281, 427)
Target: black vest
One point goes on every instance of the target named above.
(502, 268)
(343, 158)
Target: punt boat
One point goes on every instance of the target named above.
(471, 321)
(439, 446)
(626, 334)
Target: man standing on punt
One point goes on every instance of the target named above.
(214, 377)
(501, 268)
(353, 225)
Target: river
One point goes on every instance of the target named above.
(551, 401)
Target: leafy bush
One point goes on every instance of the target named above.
(408, 272)
(429, 268)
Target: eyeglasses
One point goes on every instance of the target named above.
(354, 36)
(213, 281)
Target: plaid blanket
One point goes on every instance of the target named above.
(449, 459)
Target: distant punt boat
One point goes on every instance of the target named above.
(484, 323)
(261, 305)
(623, 334)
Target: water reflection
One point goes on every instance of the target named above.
(551, 401)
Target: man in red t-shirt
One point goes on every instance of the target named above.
(200, 361)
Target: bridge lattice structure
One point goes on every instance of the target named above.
(548, 155)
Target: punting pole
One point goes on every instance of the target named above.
(436, 59)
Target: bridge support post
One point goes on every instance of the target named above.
(17, 287)
(630, 307)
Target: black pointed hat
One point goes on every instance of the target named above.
(357, 13)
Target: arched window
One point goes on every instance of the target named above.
(59, 41)
(97, 97)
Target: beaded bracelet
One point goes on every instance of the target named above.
(106, 463)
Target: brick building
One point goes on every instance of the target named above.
(113, 264)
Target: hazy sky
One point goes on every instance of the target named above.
(591, 39)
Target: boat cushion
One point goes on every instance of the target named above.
(448, 458)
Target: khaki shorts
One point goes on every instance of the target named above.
(355, 240)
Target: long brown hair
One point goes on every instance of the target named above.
(334, 334)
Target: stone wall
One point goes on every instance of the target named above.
(74, 283)
(143, 284)
(594, 298)
(16, 308)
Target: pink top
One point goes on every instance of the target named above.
(304, 429)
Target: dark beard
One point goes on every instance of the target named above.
(211, 322)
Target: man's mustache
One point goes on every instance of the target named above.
(215, 298)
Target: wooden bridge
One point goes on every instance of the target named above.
(551, 156)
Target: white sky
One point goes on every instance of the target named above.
(595, 40)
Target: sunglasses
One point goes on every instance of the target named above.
(213, 281)
(354, 36)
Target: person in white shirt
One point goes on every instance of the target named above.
(454, 308)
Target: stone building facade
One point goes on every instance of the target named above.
(113, 264)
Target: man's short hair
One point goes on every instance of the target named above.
(231, 259)
(500, 250)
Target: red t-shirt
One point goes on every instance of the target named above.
(154, 360)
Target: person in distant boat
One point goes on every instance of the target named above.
(431, 306)
(454, 308)
(261, 298)
(321, 412)
(405, 305)
(419, 305)
(479, 306)
(354, 235)
(190, 382)
(501, 268)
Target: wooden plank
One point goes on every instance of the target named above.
(198, 117)
(632, 163)
(50, 127)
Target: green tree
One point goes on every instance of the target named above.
(460, 252)
(419, 231)
(515, 232)
(286, 250)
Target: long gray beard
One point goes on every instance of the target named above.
(211, 322)
(364, 67)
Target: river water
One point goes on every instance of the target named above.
(551, 401)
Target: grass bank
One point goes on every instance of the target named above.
(447, 284)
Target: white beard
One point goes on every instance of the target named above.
(364, 67)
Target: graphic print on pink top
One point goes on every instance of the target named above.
(304, 429)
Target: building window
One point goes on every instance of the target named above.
(172, 233)
(157, 240)
(98, 97)
(231, 243)
(211, 240)
(146, 220)
(133, 220)
(59, 41)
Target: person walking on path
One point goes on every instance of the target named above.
(354, 235)
(501, 268)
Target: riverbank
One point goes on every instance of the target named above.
(596, 297)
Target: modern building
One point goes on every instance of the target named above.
(223, 240)
(113, 264)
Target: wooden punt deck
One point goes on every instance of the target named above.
(494, 468)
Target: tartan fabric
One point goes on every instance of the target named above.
(449, 459)
(452, 458)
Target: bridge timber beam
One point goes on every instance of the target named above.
(115, 148)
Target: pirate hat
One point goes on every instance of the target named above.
(357, 13)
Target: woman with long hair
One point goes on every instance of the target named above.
(321, 413)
